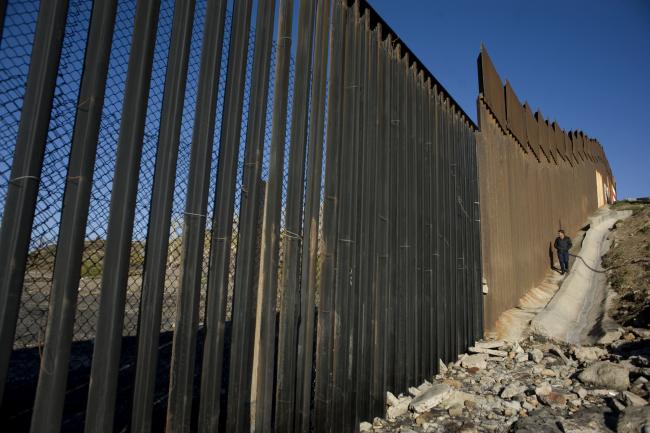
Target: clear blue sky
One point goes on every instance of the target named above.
(584, 63)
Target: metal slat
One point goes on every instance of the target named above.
(23, 184)
(270, 242)
(53, 373)
(244, 296)
(108, 339)
(162, 195)
(221, 242)
(323, 417)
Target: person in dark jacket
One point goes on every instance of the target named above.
(563, 245)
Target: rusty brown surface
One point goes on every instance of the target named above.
(527, 197)
(491, 86)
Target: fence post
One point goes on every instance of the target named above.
(326, 316)
(53, 373)
(245, 290)
(155, 261)
(22, 188)
(108, 341)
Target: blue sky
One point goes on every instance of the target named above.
(584, 63)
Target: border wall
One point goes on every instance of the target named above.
(535, 178)
(203, 231)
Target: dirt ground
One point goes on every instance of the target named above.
(628, 266)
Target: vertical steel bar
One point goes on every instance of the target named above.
(53, 373)
(244, 296)
(288, 415)
(108, 340)
(183, 355)
(153, 280)
(344, 235)
(22, 188)
(269, 263)
(220, 245)
(366, 226)
(394, 193)
(312, 216)
(380, 283)
(425, 215)
(326, 317)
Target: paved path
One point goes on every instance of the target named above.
(576, 314)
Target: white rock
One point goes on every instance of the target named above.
(365, 427)
(430, 398)
(536, 355)
(588, 353)
(414, 391)
(512, 390)
(391, 400)
(544, 389)
(631, 399)
(493, 344)
(399, 409)
(488, 351)
(478, 361)
(442, 367)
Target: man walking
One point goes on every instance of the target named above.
(563, 245)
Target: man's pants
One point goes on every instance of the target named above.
(563, 257)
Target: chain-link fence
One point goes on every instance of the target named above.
(15, 52)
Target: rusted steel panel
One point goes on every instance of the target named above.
(491, 86)
(515, 116)
(532, 132)
(542, 136)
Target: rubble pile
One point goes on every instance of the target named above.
(532, 386)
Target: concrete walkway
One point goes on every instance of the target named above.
(576, 314)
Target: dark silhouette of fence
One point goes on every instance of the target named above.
(211, 224)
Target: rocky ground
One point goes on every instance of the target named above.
(532, 386)
(628, 266)
(539, 385)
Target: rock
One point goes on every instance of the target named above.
(544, 389)
(475, 361)
(631, 399)
(536, 355)
(606, 374)
(610, 337)
(582, 393)
(634, 420)
(493, 344)
(391, 400)
(588, 353)
(414, 391)
(488, 351)
(456, 398)
(548, 372)
(399, 409)
(365, 427)
(430, 398)
(442, 367)
(556, 350)
(521, 357)
(554, 399)
(513, 389)
(452, 382)
(406, 430)
(539, 421)
(456, 410)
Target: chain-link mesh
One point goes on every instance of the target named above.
(15, 52)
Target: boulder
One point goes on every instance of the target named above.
(605, 374)
(631, 399)
(398, 409)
